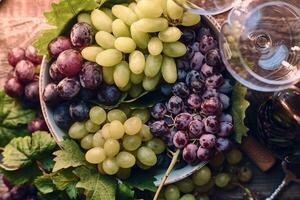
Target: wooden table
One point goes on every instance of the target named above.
(21, 20)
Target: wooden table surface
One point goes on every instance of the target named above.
(21, 20)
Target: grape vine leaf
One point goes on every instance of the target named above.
(22, 151)
(238, 111)
(96, 186)
(70, 156)
(64, 178)
(44, 184)
(142, 181)
(59, 17)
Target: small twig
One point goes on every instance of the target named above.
(248, 192)
(171, 166)
(40, 166)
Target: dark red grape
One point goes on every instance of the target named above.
(211, 106)
(193, 75)
(68, 88)
(225, 100)
(110, 94)
(5, 196)
(197, 117)
(226, 87)
(182, 121)
(207, 43)
(159, 128)
(69, 62)
(79, 111)
(54, 73)
(223, 144)
(197, 61)
(196, 128)
(202, 32)
(14, 88)
(194, 101)
(15, 55)
(189, 153)
(61, 116)
(87, 94)
(37, 124)
(166, 89)
(181, 89)
(181, 75)
(175, 105)
(188, 36)
(207, 141)
(32, 91)
(214, 81)
(211, 124)
(90, 75)
(225, 118)
(158, 111)
(180, 139)
(213, 58)
(50, 94)
(32, 55)
(25, 71)
(58, 45)
(207, 70)
(198, 86)
(182, 64)
(81, 35)
(225, 129)
(204, 154)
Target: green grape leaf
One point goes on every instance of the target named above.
(70, 156)
(47, 163)
(44, 184)
(96, 186)
(22, 151)
(72, 191)
(142, 181)
(238, 111)
(64, 178)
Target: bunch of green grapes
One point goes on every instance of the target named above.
(135, 44)
(218, 173)
(116, 143)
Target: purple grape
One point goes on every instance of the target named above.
(159, 128)
(207, 141)
(68, 88)
(37, 124)
(196, 128)
(193, 75)
(158, 111)
(194, 101)
(169, 120)
(109, 94)
(214, 81)
(79, 111)
(81, 35)
(86, 94)
(196, 46)
(225, 129)
(225, 118)
(225, 100)
(54, 73)
(6, 196)
(181, 89)
(183, 120)
(25, 71)
(50, 94)
(32, 91)
(181, 75)
(223, 144)
(226, 87)
(189, 54)
(13, 88)
(175, 105)
(211, 106)
(182, 64)
(197, 117)
(210, 92)
(189, 153)
(90, 75)
(58, 45)
(207, 70)
(168, 138)
(213, 58)
(180, 139)
(69, 62)
(166, 89)
(15, 55)
(188, 36)
(61, 116)
(202, 32)
(197, 61)
(211, 124)
(204, 154)
(32, 55)
(207, 43)
(197, 86)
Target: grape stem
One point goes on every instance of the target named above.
(247, 191)
(171, 166)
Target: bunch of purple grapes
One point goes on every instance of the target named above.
(75, 82)
(194, 118)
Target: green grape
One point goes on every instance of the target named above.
(172, 192)
(110, 166)
(151, 25)
(145, 133)
(135, 91)
(122, 74)
(153, 65)
(169, 70)
(234, 156)
(125, 14)
(142, 166)
(101, 20)
(136, 11)
(105, 39)
(190, 19)
(149, 84)
(174, 49)
(123, 173)
(116, 114)
(175, 11)
(146, 156)
(109, 57)
(155, 46)
(95, 155)
(217, 160)
(111, 147)
(125, 159)
(141, 39)
(136, 78)
(142, 113)
(125, 109)
(171, 34)
(90, 53)
(133, 125)
(126, 88)
(205, 188)
(186, 185)
(105, 131)
(100, 169)
(120, 29)
(98, 140)
(116, 130)
(108, 12)
(84, 17)
(137, 62)
(164, 7)
(202, 176)
(125, 44)
(188, 197)
(77, 130)
(87, 141)
(97, 115)
(132, 6)
(132, 142)
(157, 145)
(108, 75)
(222, 180)
(149, 8)
(245, 174)
(91, 126)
